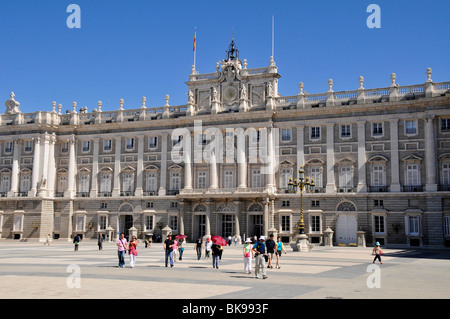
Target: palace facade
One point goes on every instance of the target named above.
(379, 158)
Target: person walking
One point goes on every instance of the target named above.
(100, 241)
(248, 255)
(377, 252)
(216, 254)
(207, 248)
(180, 248)
(168, 249)
(270, 244)
(280, 248)
(175, 248)
(132, 250)
(47, 240)
(121, 249)
(198, 247)
(76, 242)
(260, 252)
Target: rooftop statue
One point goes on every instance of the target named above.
(12, 106)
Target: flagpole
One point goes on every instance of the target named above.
(195, 46)
(273, 37)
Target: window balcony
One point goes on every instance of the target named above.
(346, 189)
(173, 192)
(412, 188)
(150, 193)
(21, 194)
(127, 193)
(378, 189)
(82, 194)
(59, 194)
(3, 194)
(444, 188)
(104, 194)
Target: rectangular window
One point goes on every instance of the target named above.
(316, 175)
(8, 147)
(379, 224)
(286, 134)
(410, 127)
(378, 175)
(152, 182)
(153, 142)
(377, 129)
(201, 178)
(414, 225)
(445, 125)
(315, 132)
(315, 223)
(28, 146)
(446, 225)
(148, 222)
(18, 223)
(5, 184)
(285, 223)
(346, 131)
(412, 175)
(25, 184)
(256, 178)
(130, 143)
(64, 147)
(228, 179)
(105, 184)
(445, 174)
(315, 203)
(102, 222)
(175, 181)
(285, 203)
(79, 226)
(128, 182)
(173, 222)
(107, 145)
(346, 177)
(86, 146)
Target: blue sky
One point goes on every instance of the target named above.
(129, 49)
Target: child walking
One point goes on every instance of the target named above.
(377, 252)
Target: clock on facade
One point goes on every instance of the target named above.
(230, 93)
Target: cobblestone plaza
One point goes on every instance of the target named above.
(35, 271)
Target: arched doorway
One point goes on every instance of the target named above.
(346, 223)
(255, 220)
(125, 218)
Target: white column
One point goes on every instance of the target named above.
(213, 170)
(270, 184)
(430, 156)
(15, 169)
(116, 188)
(362, 185)
(187, 164)
(163, 169)
(331, 187)
(242, 162)
(208, 219)
(94, 187)
(72, 168)
(140, 166)
(51, 167)
(395, 171)
(43, 178)
(36, 165)
(237, 228)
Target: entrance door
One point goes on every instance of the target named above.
(346, 227)
(257, 225)
(126, 222)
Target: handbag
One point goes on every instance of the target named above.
(247, 254)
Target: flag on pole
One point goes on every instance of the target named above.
(195, 37)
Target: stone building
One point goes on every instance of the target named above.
(220, 165)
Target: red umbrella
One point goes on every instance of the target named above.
(219, 240)
(180, 236)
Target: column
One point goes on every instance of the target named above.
(237, 228)
(362, 185)
(15, 169)
(300, 149)
(94, 187)
(266, 217)
(430, 156)
(395, 171)
(270, 185)
(43, 179)
(208, 219)
(163, 168)
(36, 165)
(331, 187)
(140, 166)
(72, 168)
(51, 167)
(187, 162)
(213, 171)
(241, 158)
(116, 187)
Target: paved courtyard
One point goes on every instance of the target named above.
(32, 270)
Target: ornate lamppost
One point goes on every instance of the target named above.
(304, 184)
